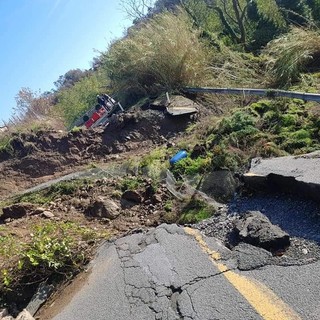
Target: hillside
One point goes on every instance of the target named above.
(122, 183)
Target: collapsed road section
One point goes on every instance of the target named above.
(176, 273)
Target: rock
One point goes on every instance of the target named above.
(24, 315)
(7, 318)
(149, 191)
(3, 313)
(250, 257)
(219, 185)
(132, 196)
(102, 207)
(37, 211)
(157, 198)
(256, 229)
(16, 211)
(47, 214)
(39, 298)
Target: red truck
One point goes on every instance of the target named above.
(99, 115)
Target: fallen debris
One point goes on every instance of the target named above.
(256, 229)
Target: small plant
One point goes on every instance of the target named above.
(55, 251)
(168, 205)
(75, 129)
(190, 166)
(195, 211)
(5, 145)
(130, 183)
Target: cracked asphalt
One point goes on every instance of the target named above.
(172, 272)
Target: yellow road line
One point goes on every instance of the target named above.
(261, 298)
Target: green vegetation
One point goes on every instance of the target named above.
(195, 211)
(5, 144)
(131, 183)
(73, 102)
(265, 128)
(155, 163)
(191, 166)
(54, 251)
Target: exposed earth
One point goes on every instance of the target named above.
(104, 205)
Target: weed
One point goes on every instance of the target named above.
(76, 129)
(196, 210)
(54, 250)
(190, 166)
(131, 183)
(168, 205)
(5, 145)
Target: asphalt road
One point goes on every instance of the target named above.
(177, 273)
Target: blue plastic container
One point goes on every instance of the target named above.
(178, 156)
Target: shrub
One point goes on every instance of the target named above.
(73, 102)
(190, 166)
(162, 54)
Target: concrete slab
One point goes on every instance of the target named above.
(292, 174)
(180, 105)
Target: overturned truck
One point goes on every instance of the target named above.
(100, 114)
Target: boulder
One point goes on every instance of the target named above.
(102, 207)
(17, 210)
(132, 196)
(256, 229)
(219, 185)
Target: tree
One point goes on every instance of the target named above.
(70, 78)
(136, 9)
(233, 15)
(315, 9)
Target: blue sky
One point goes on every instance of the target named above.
(43, 39)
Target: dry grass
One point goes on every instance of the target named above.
(291, 55)
(163, 54)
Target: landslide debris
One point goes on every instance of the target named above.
(29, 157)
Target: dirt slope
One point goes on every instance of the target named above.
(37, 157)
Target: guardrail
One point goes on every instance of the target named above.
(270, 93)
